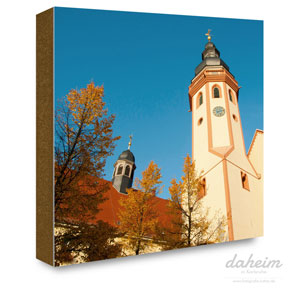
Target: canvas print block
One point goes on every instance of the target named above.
(158, 133)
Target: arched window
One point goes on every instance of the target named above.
(120, 170)
(200, 121)
(201, 99)
(230, 96)
(127, 170)
(216, 92)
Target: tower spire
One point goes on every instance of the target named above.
(210, 56)
(130, 141)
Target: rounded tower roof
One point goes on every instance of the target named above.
(210, 51)
(128, 155)
(210, 57)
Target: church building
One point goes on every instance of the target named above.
(233, 177)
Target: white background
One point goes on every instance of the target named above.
(193, 273)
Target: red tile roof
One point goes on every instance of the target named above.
(110, 207)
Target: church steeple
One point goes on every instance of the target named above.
(218, 147)
(210, 56)
(124, 170)
(210, 51)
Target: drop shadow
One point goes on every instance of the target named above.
(111, 263)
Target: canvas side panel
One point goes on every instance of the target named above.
(44, 136)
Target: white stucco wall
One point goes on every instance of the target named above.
(238, 155)
(220, 133)
(203, 158)
(215, 197)
(243, 204)
(246, 206)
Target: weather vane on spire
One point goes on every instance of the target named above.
(208, 35)
(130, 141)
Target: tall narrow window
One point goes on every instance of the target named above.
(120, 170)
(127, 170)
(201, 99)
(245, 181)
(216, 92)
(230, 96)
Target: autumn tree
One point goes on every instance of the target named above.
(83, 141)
(191, 224)
(85, 242)
(138, 214)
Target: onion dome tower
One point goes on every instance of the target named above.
(210, 57)
(124, 170)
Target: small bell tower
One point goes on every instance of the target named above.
(124, 170)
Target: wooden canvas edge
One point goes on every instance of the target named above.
(44, 136)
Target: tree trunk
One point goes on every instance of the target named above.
(189, 231)
(137, 250)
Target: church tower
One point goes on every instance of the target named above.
(124, 170)
(234, 188)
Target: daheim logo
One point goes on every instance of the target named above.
(252, 263)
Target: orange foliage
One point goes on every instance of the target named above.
(191, 224)
(138, 214)
(83, 141)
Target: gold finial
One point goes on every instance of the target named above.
(208, 35)
(130, 141)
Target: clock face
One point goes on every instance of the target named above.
(219, 111)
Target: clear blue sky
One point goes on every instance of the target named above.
(146, 63)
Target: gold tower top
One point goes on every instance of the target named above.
(130, 142)
(208, 35)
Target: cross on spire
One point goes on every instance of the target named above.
(208, 35)
(130, 141)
